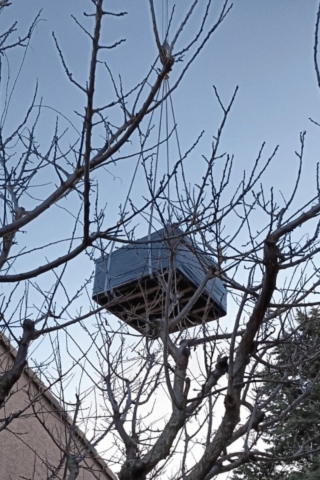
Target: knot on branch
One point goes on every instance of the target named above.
(272, 252)
(222, 365)
(230, 402)
(158, 326)
(29, 332)
(21, 211)
(28, 325)
(137, 469)
(212, 270)
(259, 417)
(185, 351)
(133, 469)
(166, 58)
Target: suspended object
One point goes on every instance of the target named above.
(134, 278)
(132, 282)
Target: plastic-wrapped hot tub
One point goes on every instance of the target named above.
(134, 278)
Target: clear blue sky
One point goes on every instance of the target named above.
(263, 46)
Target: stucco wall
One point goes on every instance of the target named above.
(33, 444)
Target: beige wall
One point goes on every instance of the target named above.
(33, 444)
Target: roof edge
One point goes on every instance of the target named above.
(45, 391)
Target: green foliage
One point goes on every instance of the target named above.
(293, 441)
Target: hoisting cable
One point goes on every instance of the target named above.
(164, 36)
(154, 186)
(167, 152)
(122, 214)
(165, 92)
(179, 148)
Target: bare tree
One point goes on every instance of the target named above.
(167, 401)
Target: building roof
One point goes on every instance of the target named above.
(33, 377)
